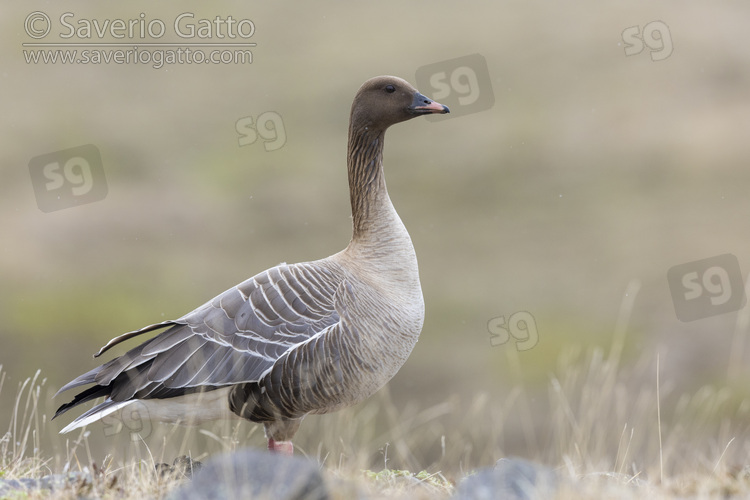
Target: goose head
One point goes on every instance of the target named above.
(384, 100)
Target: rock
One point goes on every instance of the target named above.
(182, 467)
(255, 474)
(186, 466)
(50, 482)
(9, 485)
(163, 470)
(511, 479)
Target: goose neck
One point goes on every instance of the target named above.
(371, 206)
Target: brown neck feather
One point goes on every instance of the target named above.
(366, 181)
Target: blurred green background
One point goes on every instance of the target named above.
(591, 170)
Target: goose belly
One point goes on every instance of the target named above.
(374, 360)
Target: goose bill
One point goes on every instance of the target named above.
(422, 105)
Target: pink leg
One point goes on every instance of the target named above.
(282, 447)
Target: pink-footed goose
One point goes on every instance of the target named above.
(299, 338)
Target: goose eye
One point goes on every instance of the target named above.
(390, 89)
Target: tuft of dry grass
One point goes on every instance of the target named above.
(20, 450)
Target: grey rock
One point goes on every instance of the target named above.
(510, 479)
(50, 482)
(255, 474)
(9, 485)
(182, 467)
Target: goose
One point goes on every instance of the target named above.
(296, 339)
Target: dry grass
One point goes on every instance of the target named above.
(608, 434)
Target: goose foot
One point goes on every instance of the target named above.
(282, 447)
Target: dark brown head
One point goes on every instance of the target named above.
(384, 100)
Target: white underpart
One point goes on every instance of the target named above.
(191, 409)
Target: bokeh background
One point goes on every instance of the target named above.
(588, 177)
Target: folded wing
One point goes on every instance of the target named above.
(232, 339)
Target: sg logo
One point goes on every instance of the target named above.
(655, 36)
(521, 326)
(132, 418)
(274, 136)
(707, 287)
(463, 84)
(68, 178)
